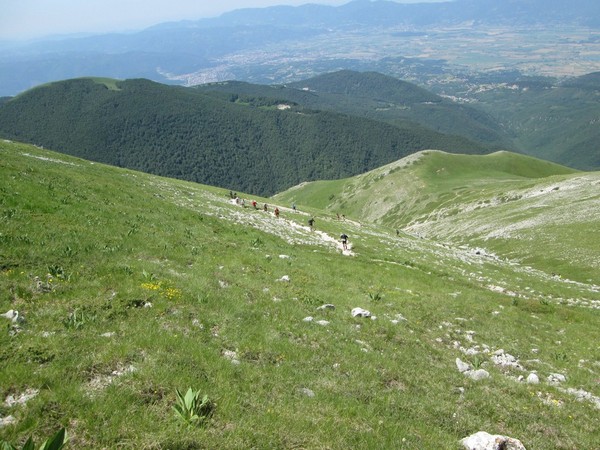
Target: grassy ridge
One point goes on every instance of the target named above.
(533, 211)
(106, 364)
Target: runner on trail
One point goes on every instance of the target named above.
(344, 239)
(311, 223)
(276, 212)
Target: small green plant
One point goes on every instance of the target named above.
(560, 356)
(58, 272)
(477, 362)
(191, 408)
(77, 319)
(56, 442)
(375, 296)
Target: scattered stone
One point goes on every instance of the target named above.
(500, 358)
(556, 378)
(285, 278)
(359, 312)
(11, 400)
(478, 374)
(14, 316)
(147, 305)
(322, 322)
(8, 420)
(485, 441)
(582, 395)
(533, 379)
(108, 334)
(47, 334)
(231, 356)
(307, 392)
(547, 399)
(462, 366)
(470, 351)
(326, 306)
(14, 330)
(223, 284)
(308, 319)
(123, 371)
(284, 257)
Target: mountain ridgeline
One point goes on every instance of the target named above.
(251, 143)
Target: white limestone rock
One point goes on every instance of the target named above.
(21, 399)
(14, 316)
(8, 420)
(478, 374)
(327, 306)
(360, 312)
(533, 379)
(485, 441)
(462, 366)
(556, 378)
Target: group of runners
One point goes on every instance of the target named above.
(311, 221)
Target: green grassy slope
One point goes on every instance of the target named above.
(243, 144)
(520, 207)
(133, 286)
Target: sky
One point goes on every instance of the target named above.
(29, 19)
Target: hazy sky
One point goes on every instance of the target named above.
(23, 19)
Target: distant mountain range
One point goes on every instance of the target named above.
(170, 52)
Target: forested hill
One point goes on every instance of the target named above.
(255, 145)
(381, 97)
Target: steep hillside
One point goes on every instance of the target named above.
(518, 207)
(381, 97)
(132, 286)
(251, 144)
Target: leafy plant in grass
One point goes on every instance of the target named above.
(375, 296)
(193, 409)
(56, 442)
(477, 362)
(77, 319)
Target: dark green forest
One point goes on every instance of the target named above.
(557, 122)
(380, 97)
(241, 142)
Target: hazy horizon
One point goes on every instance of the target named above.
(34, 19)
